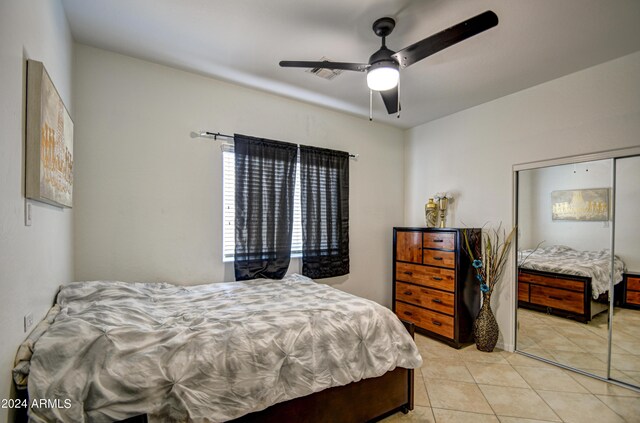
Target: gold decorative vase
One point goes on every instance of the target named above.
(443, 203)
(431, 213)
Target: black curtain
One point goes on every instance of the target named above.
(265, 182)
(324, 192)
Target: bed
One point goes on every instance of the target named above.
(567, 282)
(216, 352)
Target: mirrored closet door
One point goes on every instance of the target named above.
(564, 226)
(625, 334)
(578, 266)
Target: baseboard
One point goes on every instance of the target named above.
(506, 347)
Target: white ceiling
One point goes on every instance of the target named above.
(243, 40)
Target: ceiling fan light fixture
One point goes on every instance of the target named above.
(383, 76)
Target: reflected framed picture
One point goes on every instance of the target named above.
(588, 205)
(49, 141)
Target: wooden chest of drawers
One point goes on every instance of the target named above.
(631, 290)
(434, 284)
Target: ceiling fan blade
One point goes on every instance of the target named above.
(447, 38)
(390, 98)
(358, 67)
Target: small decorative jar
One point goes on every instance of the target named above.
(431, 213)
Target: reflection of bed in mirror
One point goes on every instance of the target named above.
(566, 282)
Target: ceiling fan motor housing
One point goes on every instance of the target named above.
(384, 56)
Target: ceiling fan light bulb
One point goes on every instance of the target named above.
(382, 78)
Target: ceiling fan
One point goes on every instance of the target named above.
(383, 68)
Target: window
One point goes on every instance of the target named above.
(229, 208)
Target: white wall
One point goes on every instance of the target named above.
(471, 153)
(148, 196)
(627, 227)
(34, 260)
(534, 198)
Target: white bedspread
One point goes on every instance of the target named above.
(209, 352)
(562, 259)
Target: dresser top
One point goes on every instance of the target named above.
(424, 228)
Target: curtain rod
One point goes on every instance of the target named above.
(216, 135)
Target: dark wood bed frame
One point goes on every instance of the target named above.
(363, 401)
(358, 402)
(555, 293)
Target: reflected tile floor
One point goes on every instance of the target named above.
(467, 385)
(584, 345)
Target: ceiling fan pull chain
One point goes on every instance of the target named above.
(370, 105)
(398, 116)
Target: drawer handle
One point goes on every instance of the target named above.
(408, 293)
(437, 278)
(555, 298)
(438, 258)
(435, 322)
(438, 240)
(408, 273)
(437, 300)
(408, 313)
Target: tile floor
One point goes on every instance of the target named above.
(467, 385)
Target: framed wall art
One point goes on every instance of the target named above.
(49, 141)
(590, 205)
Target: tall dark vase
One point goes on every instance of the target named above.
(485, 327)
